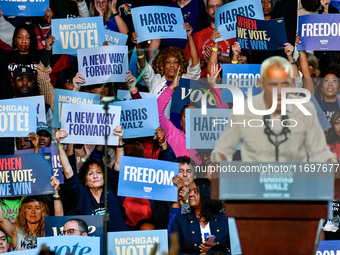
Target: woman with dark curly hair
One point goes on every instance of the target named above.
(29, 224)
(204, 219)
(166, 64)
(87, 188)
(333, 137)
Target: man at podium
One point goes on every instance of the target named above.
(295, 136)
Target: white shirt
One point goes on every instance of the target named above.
(306, 138)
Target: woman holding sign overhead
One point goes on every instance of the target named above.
(87, 187)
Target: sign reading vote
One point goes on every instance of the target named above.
(139, 118)
(147, 178)
(17, 118)
(29, 8)
(86, 124)
(241, 76)
(103, 64)
(49, 152)
(137, 242)
(328, 247)
(202, 131)
(226, 16)
(76, 245)
(55, 225)
(62, 96)
(158, 22)
(23, 175)
(80, 33)
(115, 38)
(255, 34)
(41, 113)
(319, 32)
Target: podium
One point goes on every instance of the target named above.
(285, 225)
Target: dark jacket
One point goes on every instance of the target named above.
(188, 229)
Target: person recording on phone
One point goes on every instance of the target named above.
(204, 224)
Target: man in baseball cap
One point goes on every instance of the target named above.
(24, 82)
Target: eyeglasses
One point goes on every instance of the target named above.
(214, 6)
(24, 79)
(70, 231)
(98, 3)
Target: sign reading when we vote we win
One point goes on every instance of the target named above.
(80, 33)
(28, 8)
(86, 124)
(26, 174)
(17, 117)
(147, 178)
(255, 34)
(319, 32)
(158, 22)
(226, 16)
(103, 64)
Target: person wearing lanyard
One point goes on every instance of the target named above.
(43, 29)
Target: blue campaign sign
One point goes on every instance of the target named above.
(115, 38)
(103, 64)
(41, 113)
(125, 94)
(139, 118)
(26, 174)
(55, 225)
(328, 247)
(24, 8)
(86, 124)
(77, 245)
(319, 32)
(50, 153)
(62, 96)
(226, 16)
(158, 22)
(253, 34)
(242, 76)
(147, 178)
(202, 131)
(17, 118)
(321, 116)
(80, 33)
(25, 252)
(137, 242)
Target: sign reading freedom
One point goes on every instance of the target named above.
(26, 174)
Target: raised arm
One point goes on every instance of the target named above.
(193, 51)
(82, 8)
(6, 30)
(35, 141)
(122, 27)
(120, 148)
(58, 206)
(140, 53)
(289, 50)
(62, 154)
(213, 59)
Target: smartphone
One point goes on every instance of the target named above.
(210, 239)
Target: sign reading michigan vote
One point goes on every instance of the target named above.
(253, 34)
(17, 117)
(86, 124)
(226, 16)
(202, 131)
(69, 244)
(103, 64)
(319, 32)
(137, 242)
(139, 118)
(147, 178)
(242, 76)
(158, 22)
(24, 175)
(29, 8)
(62, 96)
(278, 181)
(80, 33)
(115, 38)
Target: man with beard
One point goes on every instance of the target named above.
(204, 43)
